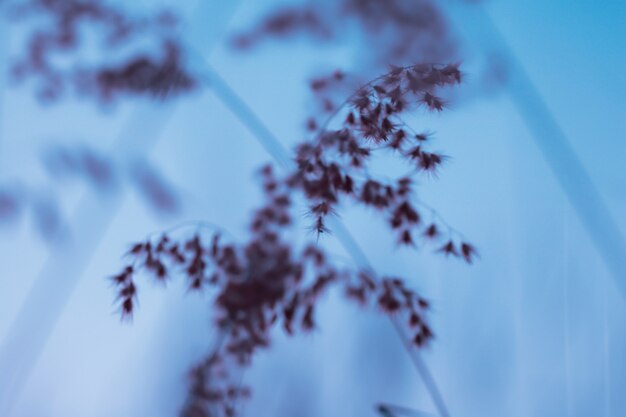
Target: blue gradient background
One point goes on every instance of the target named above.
(537, 327)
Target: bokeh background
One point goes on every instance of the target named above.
(536, 327)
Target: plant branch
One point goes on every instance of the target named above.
(246, 115)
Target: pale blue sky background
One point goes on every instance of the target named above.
(536, 328)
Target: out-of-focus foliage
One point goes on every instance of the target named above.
(97, 50)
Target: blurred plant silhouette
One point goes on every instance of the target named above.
(269, 280)
(60, 39)
(104, 175)
(58, 32)
(380, 32)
